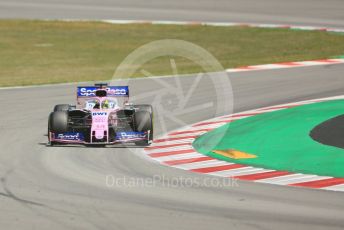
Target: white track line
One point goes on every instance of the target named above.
(339, 188)
(239, 172)
(203, 164)
(299, 178)
(180, 156)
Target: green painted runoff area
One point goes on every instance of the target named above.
(280, 140)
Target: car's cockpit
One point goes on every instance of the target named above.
(111, 103)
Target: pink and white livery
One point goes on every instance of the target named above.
(102, 116)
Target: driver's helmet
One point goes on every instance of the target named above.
(97, 105)
(105, 104)
(109, 104)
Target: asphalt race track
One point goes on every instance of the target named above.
(309, 12)
(64, 187)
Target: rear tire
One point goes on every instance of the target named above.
(61, 107)
(144, 123)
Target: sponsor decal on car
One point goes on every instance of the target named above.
(99, 114)
(99, 118)
(90, 91)
(70, 136)
(130, 135)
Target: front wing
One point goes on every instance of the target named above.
(79, 138)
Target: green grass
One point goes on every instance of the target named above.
(39, 52)
(280, 140)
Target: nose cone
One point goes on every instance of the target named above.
(100, 124)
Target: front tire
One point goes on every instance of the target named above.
(58, 122)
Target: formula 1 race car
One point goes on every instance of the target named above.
(102, 116)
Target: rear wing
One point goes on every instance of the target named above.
(85, 93)
(112, 91)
